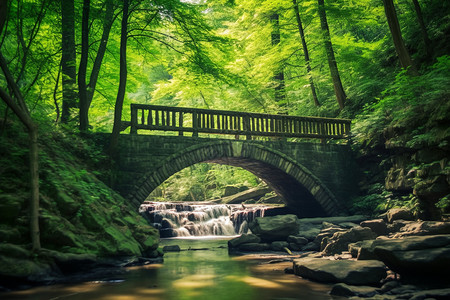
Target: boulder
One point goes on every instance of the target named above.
(345, 290)
(340, 240)
(399, 214)
(378, 226)
(425, 263)
(369, 272)
(326, 234)
(424, 228)
(279, 245)
(254, 247)
(254, 193)
(298, 240)
(276, 228)
(309, 230)
(243, 239)
(311, 246)
(429, 294)
(367, 249)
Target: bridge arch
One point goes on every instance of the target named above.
(300, 189)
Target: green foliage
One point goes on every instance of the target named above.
(202, 182)
(415, 108)
(444, 204)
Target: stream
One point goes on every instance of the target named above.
(202, 270)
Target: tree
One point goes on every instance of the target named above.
(337, 84)
(400, 48)
(68, 58)
(82, 70)
(423, 29)
(280, 94)
(306, 53)
(21, 110)
(122, 82)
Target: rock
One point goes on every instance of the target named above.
(424, 228)
(309, 230)
(279, 245)
(367, 249)
(276, 228)
(397, 225)
(426, 263)
(388, 286)
(340, 240)
(399, 214)
(243, 239)
(232, 189)
(294, 247)
(254, 247)
(171, 248)
(431, 294)
(325, 234)
(311, 246)
(334, 220)
(378, 226)
(344, 290)
(254, 193)
(298, 240)
(340, 271)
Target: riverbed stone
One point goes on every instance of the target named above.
(345, 290)
(276, 228)
(378, 226)
(256, 247)
(279, 245)
(340, 240)
(399, 214)
(243, 239)
(336, 271)
(423, 228)
(299, 240)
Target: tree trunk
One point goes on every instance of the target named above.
(423, 28)
(68, 58)
(82, 70)
(394, 26)
(337, 84)
(306, 53)
(122, 83)
(280, 94)
(22, 112)
(107, 24)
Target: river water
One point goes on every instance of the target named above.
(202, 270)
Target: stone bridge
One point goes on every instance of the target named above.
(314, 179)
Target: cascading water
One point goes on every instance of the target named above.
(199, 219)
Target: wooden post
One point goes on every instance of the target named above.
(194, 124)
(180, 123)
(134, 118)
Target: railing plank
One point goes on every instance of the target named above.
(154, 117)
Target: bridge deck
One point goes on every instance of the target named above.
(165, 118)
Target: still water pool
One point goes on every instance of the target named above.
(202, 270)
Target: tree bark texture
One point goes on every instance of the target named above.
(82, 70)
(306, 53)
(122, 83)
(22, 112)
(280, 93)
(107, 24)
(68, 59)
(341, 97)
(400, 48)
(423, 29)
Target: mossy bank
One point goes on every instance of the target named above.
(82, 221)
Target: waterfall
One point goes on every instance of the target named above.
(199, 219)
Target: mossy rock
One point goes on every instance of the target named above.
(10, 207)
(66, 204)
(22, 268)
(10, 235)
(125, 244)
(12, 250)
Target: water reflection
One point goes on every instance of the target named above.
(191, 274)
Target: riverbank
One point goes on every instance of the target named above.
(392, 258)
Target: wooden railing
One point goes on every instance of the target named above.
(165, 118)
